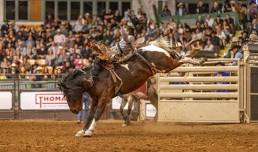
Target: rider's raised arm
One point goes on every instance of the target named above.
(124, 34)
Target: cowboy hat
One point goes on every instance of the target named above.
(59, 67)
(180, 4)
(253, 37)
(232, 2)
(245, 48)
(13, 65)
(39, 68)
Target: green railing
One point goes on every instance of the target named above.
(20, 82)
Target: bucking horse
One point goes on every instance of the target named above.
(133, 72)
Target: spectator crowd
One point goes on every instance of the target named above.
(59, 46)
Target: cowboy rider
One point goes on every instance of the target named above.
(124, 47)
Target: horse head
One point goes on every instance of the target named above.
(73, 86)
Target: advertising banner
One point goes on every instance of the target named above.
(150, 110)
(116, 103)
(43, 101)
(5, 100)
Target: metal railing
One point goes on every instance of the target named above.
(30, 81)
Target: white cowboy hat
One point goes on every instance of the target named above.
(59, 67)
(180, 4)
(253, 37)
(13, 65)
(233, 2)
(39, 68)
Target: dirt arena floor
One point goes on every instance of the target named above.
(58, 136)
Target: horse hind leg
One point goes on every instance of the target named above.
(122, 106)
(130, 102)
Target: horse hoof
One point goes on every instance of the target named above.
(80, 133)
(88, 133)
(124, 125)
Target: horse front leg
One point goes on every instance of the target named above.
(90, 119)
(96, 116)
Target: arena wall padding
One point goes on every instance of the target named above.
(254, 107)
(46, 114)
(254, 78)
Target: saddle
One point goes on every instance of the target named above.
(101, 50)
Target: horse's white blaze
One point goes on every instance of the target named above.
(154, 48)
(92, 125)
(125, 66)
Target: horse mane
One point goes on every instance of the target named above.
(68, 80)
(161, 42)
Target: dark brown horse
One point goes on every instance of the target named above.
(133, 72)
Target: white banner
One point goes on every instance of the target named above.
(5, 100)
(43, 101)
(116, 103)
(150, 110)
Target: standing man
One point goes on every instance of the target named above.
(234, 53)
(59, 38)
(84, 114)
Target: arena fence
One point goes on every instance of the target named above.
(42, 100)
(23, 98)
(7, 99)
(7, 104)
(251, 79)
(211, 93)
(202, 94)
